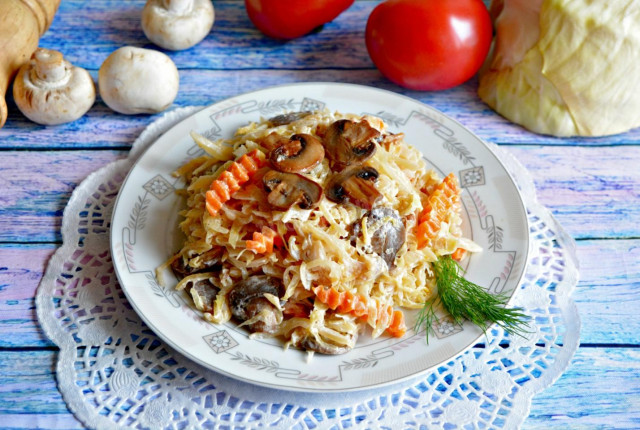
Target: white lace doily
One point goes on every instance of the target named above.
(113, 372)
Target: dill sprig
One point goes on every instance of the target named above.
(464, 300)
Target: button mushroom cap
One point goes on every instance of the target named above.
(177, 24)
(347, 142)
(388, 235)
(288, 189)
(300, 153)
(50, 90)
(205, 262)
(204, 293)
(247, 300)
(136, 80)
(354, 185)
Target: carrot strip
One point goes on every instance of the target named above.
(397, 328)
(458, 254)
(443, 199)
(262, 241)
(232, 179)
(359, 306)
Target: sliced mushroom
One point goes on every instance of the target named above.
(302, 152)
(347, 142)
(183, 266)
(355, 185)
(388, 234)
(247, 300)
(287, 118)
(288, 189)
(203, 292)
(309, 343)
(391, 139)
(272, 141)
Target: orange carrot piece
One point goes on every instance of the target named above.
(358, 305)
(221, 189)
(348, 302)
(230, 181)
(334, 299)
(458, 254)
(397, 328)
(213, 202)
(262, 241)
(444, 198)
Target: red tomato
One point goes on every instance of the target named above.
(288, 19)
(429, 44)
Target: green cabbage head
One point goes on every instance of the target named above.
(565, 67)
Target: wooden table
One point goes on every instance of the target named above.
(591, 185)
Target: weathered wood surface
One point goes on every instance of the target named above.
(236, 58)
(28, 389)
(591, 185)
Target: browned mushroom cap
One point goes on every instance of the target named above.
(286, 118)
(203, 292)
(300, 153)
(247, 300)
(207, 261)
(309, 343)
(288, 189)
(354, 185)
(348, 142)
(388, 235)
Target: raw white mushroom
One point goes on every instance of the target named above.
(137, 80)
(50, 90)
(177, 24)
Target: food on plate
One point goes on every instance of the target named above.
(564, 67)
(136, 80)
(429, 44)
(288, 19)
(339, 242)
(177, 24)
(50, 90)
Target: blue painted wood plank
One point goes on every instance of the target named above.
(599, 390)
(21, 268)
(36, 188)
(593, 191)
(607, 295)
(233, 43)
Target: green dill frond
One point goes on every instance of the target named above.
(464, 300)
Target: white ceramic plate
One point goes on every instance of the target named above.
(144, 234)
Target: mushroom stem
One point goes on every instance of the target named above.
(178, 7)
(49, 65)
